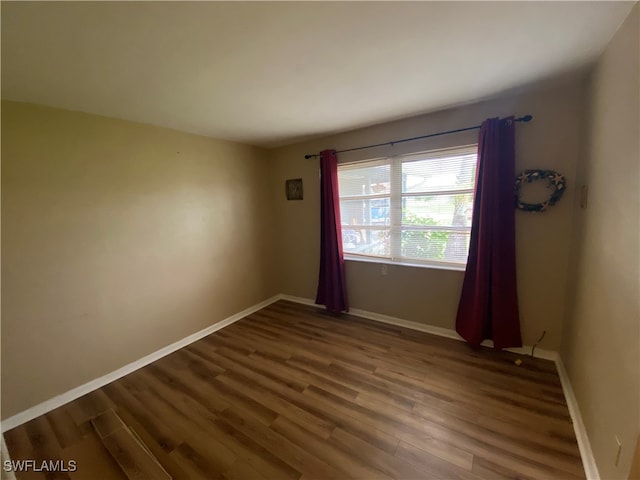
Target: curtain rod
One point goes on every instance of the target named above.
(526, 118)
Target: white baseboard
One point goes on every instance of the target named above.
(59, 400)
(440, 331)
(588, 460)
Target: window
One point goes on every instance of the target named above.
(413, 209)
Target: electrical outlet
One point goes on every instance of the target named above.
(384, 270)
(619, 443)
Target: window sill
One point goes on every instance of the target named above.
(433, 266)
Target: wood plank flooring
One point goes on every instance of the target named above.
(134, 458)
(293, 393)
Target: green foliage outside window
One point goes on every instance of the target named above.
(424, 245)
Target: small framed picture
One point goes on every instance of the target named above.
(294, 189)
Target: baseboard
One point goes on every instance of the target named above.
(525, 351)
(440, 331)
(59, 400)
(588, 460)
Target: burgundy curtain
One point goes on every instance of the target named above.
(488, 307)
(332, 291)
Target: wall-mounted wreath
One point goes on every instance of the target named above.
(557, 184)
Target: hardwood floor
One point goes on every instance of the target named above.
(292, 393)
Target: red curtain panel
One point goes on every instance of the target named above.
(332, 290)
(488, 307)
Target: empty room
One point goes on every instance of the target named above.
(320, 240)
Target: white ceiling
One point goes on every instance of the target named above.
(268, 73)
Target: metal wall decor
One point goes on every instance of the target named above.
(556, 183)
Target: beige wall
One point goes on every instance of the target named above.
(601, 343)
(431, 296)
(119, 239)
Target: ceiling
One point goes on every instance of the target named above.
(271, 73)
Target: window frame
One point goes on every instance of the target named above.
(395, 196)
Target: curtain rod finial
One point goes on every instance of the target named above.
(526, 118)
(307, 157)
